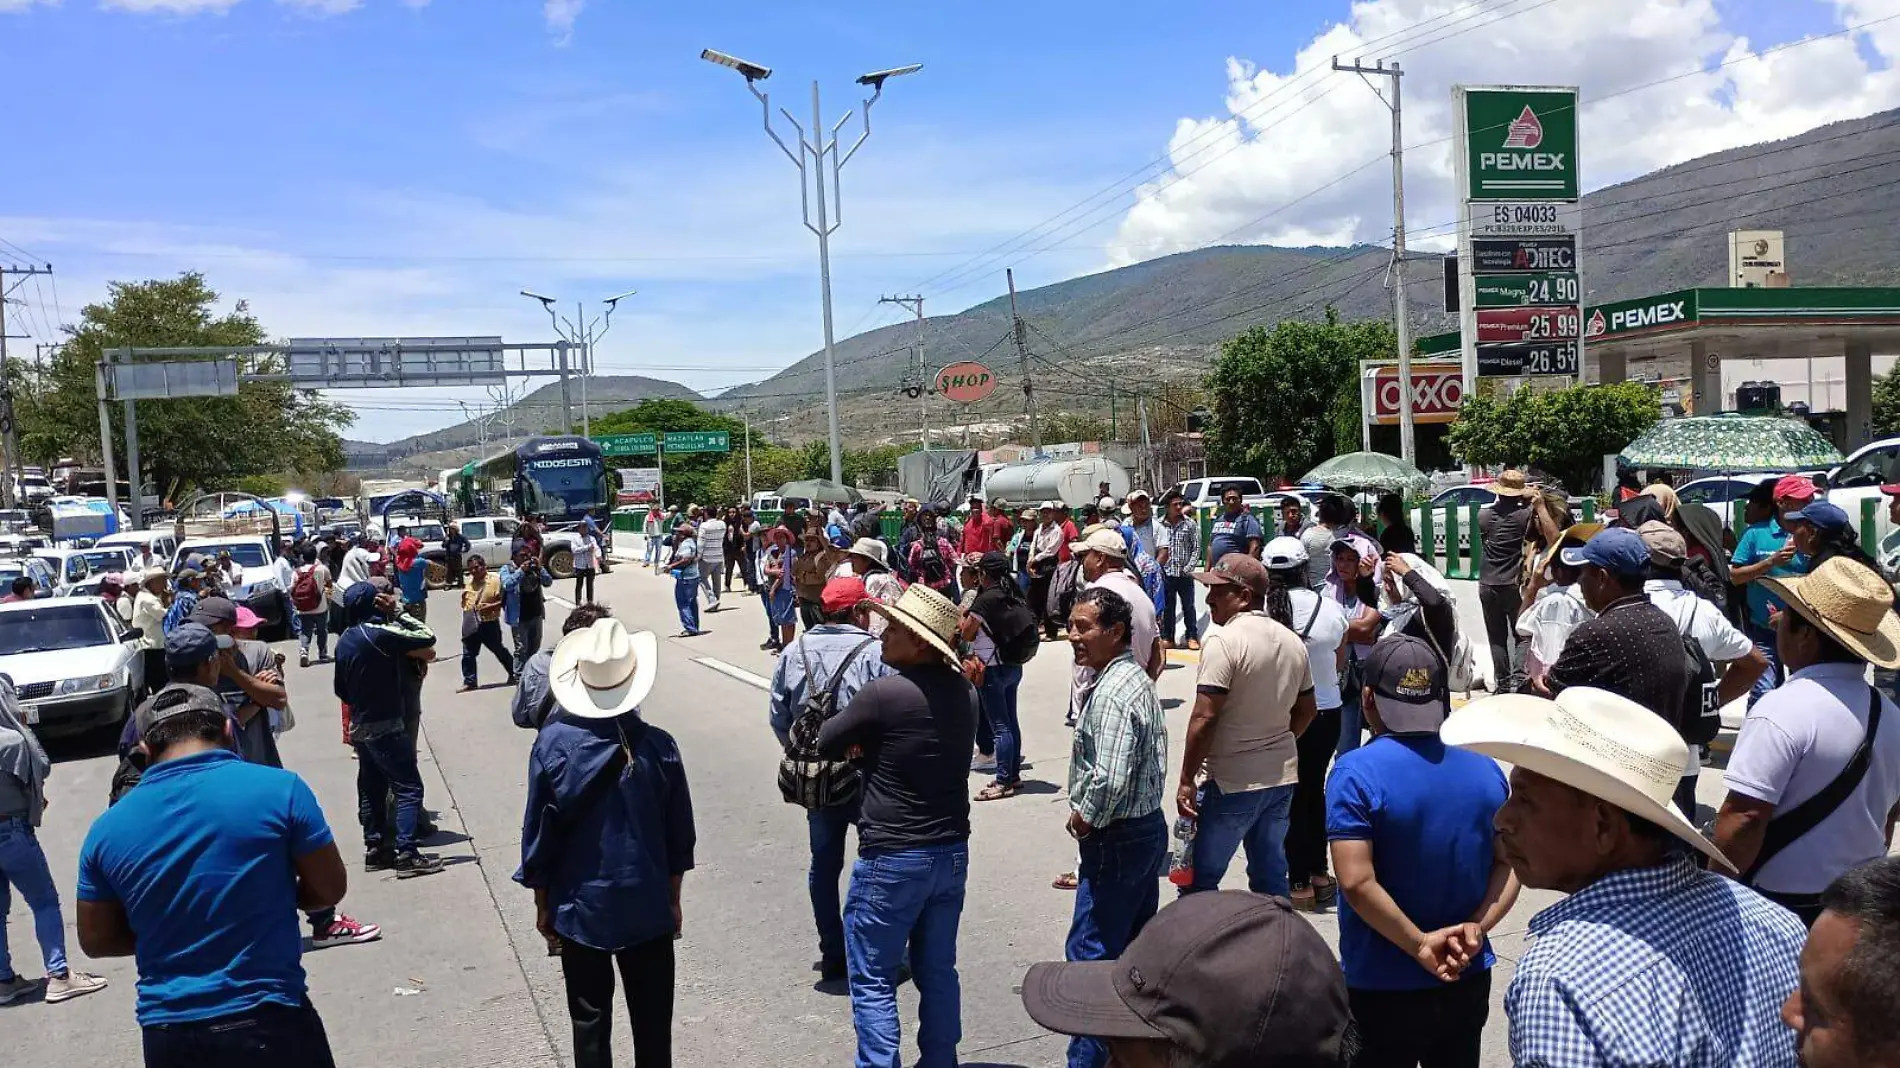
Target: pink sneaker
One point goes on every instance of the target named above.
(346, 931)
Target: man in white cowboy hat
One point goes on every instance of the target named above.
(1650, 959)
(606, 841)
(914, 730)
(1815, 775)
(867, 559)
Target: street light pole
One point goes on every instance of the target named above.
(821, 145)
(581, 333)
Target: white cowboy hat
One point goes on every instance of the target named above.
(926, 613)
(602, 671)
(871, 549)
(1592, 740)
(1851, 603)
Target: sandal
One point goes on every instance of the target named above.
(998, 791)
(1304, 898)
(1194, 645)
(1325, 890)
(1065, 881)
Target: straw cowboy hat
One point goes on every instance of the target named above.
(602, 671)
(1511, 483)
(1575, 534)
(1851, 603)
(926, 613)
(870, 549)
(1592, 740)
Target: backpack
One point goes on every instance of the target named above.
(1016, 634)
(1700, 579)
(805, 778)
(1701, 705)
(932, 569)
(305, 595)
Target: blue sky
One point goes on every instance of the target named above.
(392, 167)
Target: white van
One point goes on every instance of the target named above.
(162, 543)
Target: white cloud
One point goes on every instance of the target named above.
(324, 7)
(560, 16)
(7, 6)
(1259, 172)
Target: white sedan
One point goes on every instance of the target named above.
(72, 662)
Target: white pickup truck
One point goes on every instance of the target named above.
(1206, 492)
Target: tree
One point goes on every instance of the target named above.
(772, 467)
(1887, 403)
(205, 441)
(1288, 398)
(1565, 432)
(689, 477)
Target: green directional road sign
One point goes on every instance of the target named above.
(1520, 143)
(628, 444)
(1543, 289)
(698, 441)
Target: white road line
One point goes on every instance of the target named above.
(563, 602)
(734, 672)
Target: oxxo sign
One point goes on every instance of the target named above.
(1436, 394)
(967, 381)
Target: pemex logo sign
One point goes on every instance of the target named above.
(1519, 143)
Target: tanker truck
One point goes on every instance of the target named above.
(1071, 483)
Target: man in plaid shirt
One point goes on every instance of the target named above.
(1177, 544)
(1117, 775)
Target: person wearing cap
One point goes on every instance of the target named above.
(1648, 959)
(248, 679)
(199, 872)
(1048, 552)
(1102, 557)
(1821, 530)
(1234, 529)
(1217, 980)
(1766, 550)
(1178, 540)
(1253, 698)
(1804, 803)
(1502, 529)
(1632, 647)
(684, 566)
(607, 837)
(1117, 779)
(376, 662)
(148, 617)
(185, 589)
(776, 561)
(914, 730)
(1554, 605)
(996, 615)
(839, 652)
(1739, 662)
(1410, 824)
(1842, 1013)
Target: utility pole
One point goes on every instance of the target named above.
(1022, 357)
(916, 305)
(748, 454)
(1402, 319)
(16, 465)
(1147, 446)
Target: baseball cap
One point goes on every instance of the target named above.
(1829, 517)
(1794, 487)
(1618, 549)
(1284, 552)
(1666, 547)
(190, 644)
(211, 611)
(994, 563)
(1102, 541)
(175, 700)
(1238, 979)
(246, 619)
(1139, 494)
(1235, 569)
(1049, 506)
(1411, 684)
(842, 593)
(1106, 504)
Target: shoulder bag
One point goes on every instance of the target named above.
(1786, 828)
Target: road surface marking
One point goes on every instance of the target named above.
(734, 672)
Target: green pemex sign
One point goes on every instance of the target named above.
(1520, 143)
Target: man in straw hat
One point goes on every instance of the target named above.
(1649, 960)
(1814, 778)
(914, 730)
(606, 841)
(1502, 529)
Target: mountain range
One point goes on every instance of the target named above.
(1828, 189)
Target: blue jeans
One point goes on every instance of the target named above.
(1256, 819)
(908, 897)
(268, 1034)
(828, 827)
(1000, 682)
(653, 549)
(1117, 891)
(386, 766)
(313, 627)
(686, 597)
(23, 864)
(1178, 589)
(1764, 639)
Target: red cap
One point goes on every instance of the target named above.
(1794, 487)
(1891, 489)
(843, 593)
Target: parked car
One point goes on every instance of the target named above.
(1207, 492)
(1859, 478)
(104, 560)
(1457, 499)
(70, 568)
(490, 537)
(45, 579)
(163, 543)
(1720, 491)
(259, 590)
(72, 663)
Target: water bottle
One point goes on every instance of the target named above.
(1181, 867)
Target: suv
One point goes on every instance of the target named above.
(73, 663)
(1859, 478)
(260, 591)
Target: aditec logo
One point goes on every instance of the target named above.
(1525, 131)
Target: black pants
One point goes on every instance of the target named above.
(1039, 601)
(1306, 821)
(583, 586)
(810, 613)
(454, 563)
(156, 674)
(1806, 907)
(272, 1034)
(1500, 605)
(1433, 1027)
(487, 635)
(1178, 589)
(647, 972)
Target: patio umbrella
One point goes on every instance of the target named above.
(821, 491)
(1368, 470)
(1731, 443)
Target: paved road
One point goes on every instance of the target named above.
(461, 978)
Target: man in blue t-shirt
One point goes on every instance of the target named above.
(1414, 853)
(199, 873)
(1234, 530)
(1763, 551)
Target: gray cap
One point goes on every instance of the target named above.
(211, 611)
(175, 699)
(191, 644)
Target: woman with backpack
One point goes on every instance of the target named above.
(310, 599)
(1002, 636)
(933, 560)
